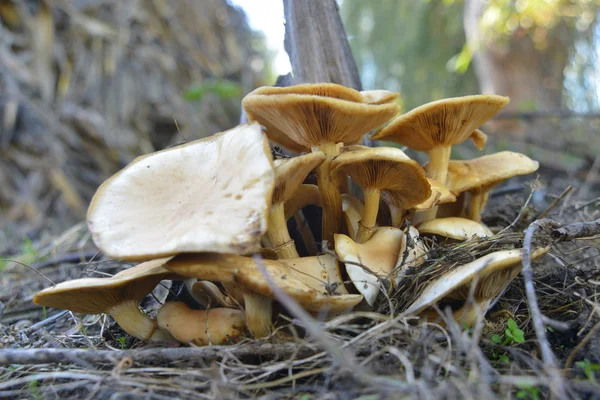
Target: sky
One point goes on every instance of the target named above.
(267, 16)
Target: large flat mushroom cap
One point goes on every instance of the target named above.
(379, 96)
(387, 169)
(313, 114)
(455, 228)
(212, 194)
(444, 122)
(242, 271)
(487, 171)
(462, 275)
(99, 295)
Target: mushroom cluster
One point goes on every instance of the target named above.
(202, 212)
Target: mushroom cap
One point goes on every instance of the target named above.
(444, 122)
(313, 114)
(291, 172)
(201, 327)
(100, 295)
(353, 209)
(412, 254)
(479, 139)
(484, 172)
(379, 96)
(440, 194)
(231, 268)
(455, 228)
(386, 169)
(175, 200)
(305, 195)
(316, 272)
(464, 274)
(208, 295)
(379, 254)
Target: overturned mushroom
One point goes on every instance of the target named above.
(478, 176)
(437, 126)
(369, 262)
(316, 117)
(491, 273)
(201, 327)
(175, 200)
(118, 296)
(382, 169)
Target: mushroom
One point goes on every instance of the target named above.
(377, 170)
(437, 126)
(480, 175)
(289, 175)
(316, 117)
(176, 200)
(208, 295)
(492, 274)
(440, 194)
(201, 327)
(369, 262)
(379, 96)
(231, 268)
(353, 209)
(455, 228)
(412, 254)
(306, 195)
(118, 296)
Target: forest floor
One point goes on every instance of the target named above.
(48, 353)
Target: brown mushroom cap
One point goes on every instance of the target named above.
(379, 255)
(118, 296)
(485, 172)
(495, 271)
(385, 169)
(444, 122)
(379, 96)
(291, 172)
(201, 327)
(306, 195)
(230, 268)
(175, 200)
(455, 228)
(315, 114)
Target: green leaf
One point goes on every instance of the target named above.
(512, 325)
(496, 338)
(519, 336)
(504, 358)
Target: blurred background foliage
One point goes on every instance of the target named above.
(541, 53)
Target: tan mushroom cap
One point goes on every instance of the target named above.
(314, 114)
(495, 271)
(306, 195)
(175, 200)
(455, 228)
(353, 209)
(484, 172)
(230, 268)
(386, 169)
(317, 272)
(440, 194)
(118, 296)
(291, 172)
(208, 295)
(444, 122)
(479, 139)
(379, 96)
(379, 255)
(201, 327)
(99, 295)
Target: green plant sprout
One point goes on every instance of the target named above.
(512, 334)
(588, 369)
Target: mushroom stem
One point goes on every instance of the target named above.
(399, 216)
(278, 233)
(330, 193)
(476, 203)
(133, 321)
(259, 310)
(366, 226)
(437, 169)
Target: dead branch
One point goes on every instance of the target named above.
(577, 230)
(155, 356)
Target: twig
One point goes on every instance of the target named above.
(66, 258)
(550, 365)
(555, 202)
(577, 230)
(589, 336)
(193, 355)
(520, 213)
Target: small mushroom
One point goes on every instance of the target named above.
(369, 262)
(455, 228)
(316, 117)
(492, 273)
(212, 194)
(201, 327)
(208, 295)
(440, 194)
(306, 195)
(118, 296)
(437, 126)
(478, 176)
(382, 169)
(353, 209)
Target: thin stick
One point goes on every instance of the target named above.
(550, 365)
(555, 202)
